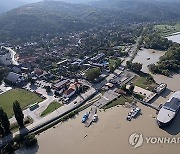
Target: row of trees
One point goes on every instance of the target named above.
(135, 67)
(4, 121)
(155, 41)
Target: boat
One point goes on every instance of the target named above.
(148, 58)
(135, 112)
(85, 117)
(160, 88)
(95, 118)
(169, 110)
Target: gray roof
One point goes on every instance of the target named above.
(13, 77)
(61, 83)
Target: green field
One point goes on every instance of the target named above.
(144, 83)
(166, 30)
(52, 107)
(24, 97)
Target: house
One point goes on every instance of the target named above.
(69, 92)
(61, 84)
(6, 59)
(38, 71)
(15, 78)
(16, 69)
(99, 57)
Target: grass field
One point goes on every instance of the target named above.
(144, 83)
(52, 107)
(166, 30)
(24, 97)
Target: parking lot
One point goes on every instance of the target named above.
(4, 88)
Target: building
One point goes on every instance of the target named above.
(16, 69)
(99, 57)
(69, 92)
(169, 110)
(6, 59)
(15, 78)
(61, 84)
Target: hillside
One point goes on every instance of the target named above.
(6, 5)
(60, 17)
(154, 10)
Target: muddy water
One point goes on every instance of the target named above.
(108, 136)
(174, 38)
(154, 55)
(147, 57)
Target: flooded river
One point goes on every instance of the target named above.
(147, 57)
(174, 38)
(154, 55)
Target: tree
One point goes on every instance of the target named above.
(124, 87)
(4, 121)
(131, 89)
(1, 130)
(136, 67)
(48, 89)
(18, 113)
(92, 73)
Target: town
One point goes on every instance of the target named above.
(56, 78)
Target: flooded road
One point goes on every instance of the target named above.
(147, 57)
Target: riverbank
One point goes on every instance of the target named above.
(109, 135)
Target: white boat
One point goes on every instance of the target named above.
(169, 110)
(135, 112)
(95, 118)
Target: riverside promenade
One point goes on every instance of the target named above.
(51, 117)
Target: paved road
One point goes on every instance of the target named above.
(13, 57)
(133, 51)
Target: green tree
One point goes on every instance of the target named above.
(136, 67)
(4, 121)
(48, 89)
(92, 73)
(18, 113)
(131, 88)
(1, 130)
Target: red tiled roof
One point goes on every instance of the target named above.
(69, 91)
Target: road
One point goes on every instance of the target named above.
(133, 51)
(13, 55)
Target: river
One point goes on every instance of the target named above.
(154, 55)
(174, 38)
